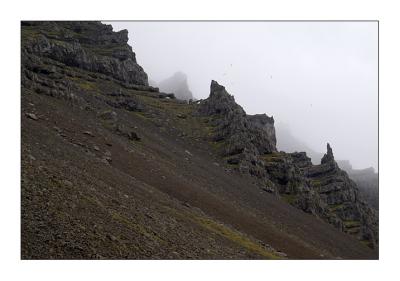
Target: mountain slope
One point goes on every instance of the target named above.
(112, 168)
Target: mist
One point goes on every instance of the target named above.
(319, 79)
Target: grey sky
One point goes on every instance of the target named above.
(319, 78)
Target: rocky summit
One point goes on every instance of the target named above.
(112, 168)
(91, 46)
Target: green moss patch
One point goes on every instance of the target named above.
(273, 157)
(351, 224)
(316, 183)
(335, 207)
(289, 198)
(228, 233)
(138, 228)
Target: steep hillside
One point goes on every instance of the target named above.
(112, 168)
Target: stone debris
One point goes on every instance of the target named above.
(32, 116)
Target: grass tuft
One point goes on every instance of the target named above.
(228, 233)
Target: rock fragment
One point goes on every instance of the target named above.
(32, 116)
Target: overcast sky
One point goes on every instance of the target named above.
(319, 78)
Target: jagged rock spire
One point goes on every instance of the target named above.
(220, 102)
(215, 87)
(240, 132)
(328, 157)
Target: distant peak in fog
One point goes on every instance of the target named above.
(178, 85)
(286, 141)
(179, 75)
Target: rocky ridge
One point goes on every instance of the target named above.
(366, 179)
(249, 145)
(91, 46)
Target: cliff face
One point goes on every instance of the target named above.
(240, 137)
(91, 46)
(248, 144)
(365, 179)
(341, 202)
(238, 132)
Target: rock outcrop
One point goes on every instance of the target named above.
(340, 199)
(328, 157)
(91, 46)
(366, 179)
(238, 131)
(248, 144)
(241, 137)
